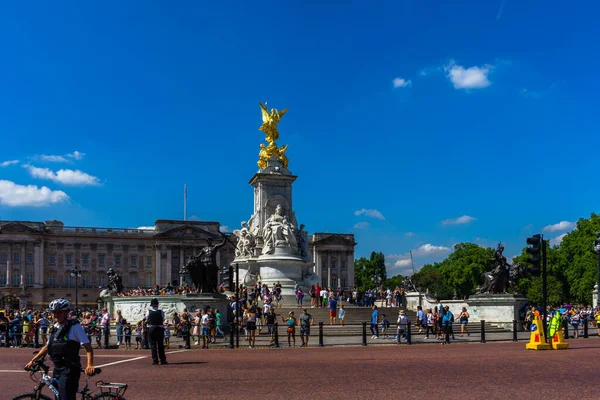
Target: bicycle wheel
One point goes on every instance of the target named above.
(31, 396)
(108, 396)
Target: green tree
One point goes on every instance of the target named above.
(393, 282)
(371, 273)
(461, 271)
(430, 279)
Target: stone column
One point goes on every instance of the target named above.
(317, 260)
(42, 264)
(169, 265)
(157, 266)
(328, 269)
(339, 269)
(23, 262)
(8, 265)
(181, 263)
(350, 269)
(36, 264)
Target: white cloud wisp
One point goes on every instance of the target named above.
(468, 78)
(15, 195)
(465, 219)
(361, 225)
(370, 213)
(401, 83)
(64, 176)
(8, 163)
(561, 226)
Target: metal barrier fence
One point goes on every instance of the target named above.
(21, 335)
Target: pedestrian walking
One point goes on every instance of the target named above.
(155, 322)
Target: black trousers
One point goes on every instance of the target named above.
(157, 343)
(68, 381)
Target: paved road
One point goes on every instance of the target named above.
(462, 371)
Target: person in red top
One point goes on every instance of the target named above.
(318, 295)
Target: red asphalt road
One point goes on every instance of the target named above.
(467, 371)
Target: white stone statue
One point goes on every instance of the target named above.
(302, 240)
(246, 242)
(279, 232)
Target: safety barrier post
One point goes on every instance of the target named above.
(482, 331)
(232, 325)
(566, 325)
(276, 334)
(408, 334)
(321, 334)
(106, 333)
(515, 338)
(364, 334)
(36, 339)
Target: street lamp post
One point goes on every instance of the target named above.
(597, 251)
(76, 273)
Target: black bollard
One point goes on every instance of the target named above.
(36, 339)
(106, 334)
(585, 328)
(482, 331)
(276, 334)
(566, 326)
(231, 333)
(321, 334)
(364, 334)
(408, 334)
(515, 338)
(237, 335)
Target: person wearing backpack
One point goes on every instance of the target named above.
(447, 325)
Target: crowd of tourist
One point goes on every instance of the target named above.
(255, 311)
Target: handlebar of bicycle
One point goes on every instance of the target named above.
(40, 364)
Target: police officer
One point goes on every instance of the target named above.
(64, 341)
(155, 319)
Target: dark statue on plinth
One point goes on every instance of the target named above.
(115, 283)
(408, 284)
(503, 277)
(203, 268)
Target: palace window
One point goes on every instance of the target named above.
(101, 259)
(148, 261)
(3, 278)
(86, 259)
(16, 279)
(132, 280)
(343, 282)
(17, 258)
(324, 282)
(52, 260)
(134, 261)
(68, 281)
(29, 258)
(69, 258)
(101, 279)
(117, 260)
(30, 278)
(149, 280)
(51, 280)
(343, 264)
(86, 280)
(3, 258)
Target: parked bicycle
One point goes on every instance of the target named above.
(112, 391)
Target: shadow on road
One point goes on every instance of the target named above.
(188, 363)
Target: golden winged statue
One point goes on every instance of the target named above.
(270, 121)
(269, 127)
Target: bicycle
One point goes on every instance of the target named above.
(112, 391)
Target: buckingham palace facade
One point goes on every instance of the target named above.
(37, 259)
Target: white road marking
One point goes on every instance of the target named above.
(12, 370)
(135, 359)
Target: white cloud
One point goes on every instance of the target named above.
(561, 226)
(147, 228)
(76, 155)
(14, 195)
(370, 213)
(8, 163)
(403, 263)
(465, 219)
(428, 250)
(224, 228)
(468, 78)
(361, 225)
(51, 158)
(401, 83)
(557, 240)
(64, 176)
(409, 234)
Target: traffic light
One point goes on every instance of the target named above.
(535, 246)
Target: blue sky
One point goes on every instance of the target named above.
(410, 123)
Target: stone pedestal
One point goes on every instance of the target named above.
(595, 296)
(134, 309)
(499, 309)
